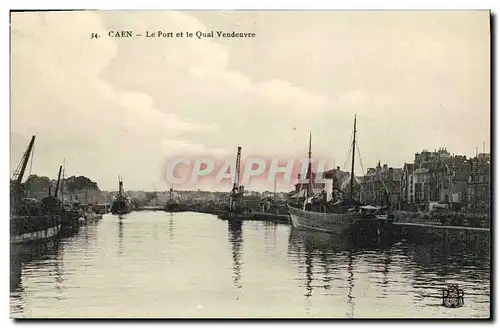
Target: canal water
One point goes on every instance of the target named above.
(160, 265)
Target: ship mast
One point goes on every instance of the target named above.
(120, 186)
(352, 162)
(63, 184)
(275, 189)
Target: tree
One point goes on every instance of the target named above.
(74, 183)
(36, 183)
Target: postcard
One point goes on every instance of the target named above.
(250, 164)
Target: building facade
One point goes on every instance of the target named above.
(407, 185)
(479, 183)
(442, 178)
(382, 186)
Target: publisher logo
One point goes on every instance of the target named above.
(453, 297)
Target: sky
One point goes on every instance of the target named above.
(126, 106)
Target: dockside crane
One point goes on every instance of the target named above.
(237, 191)
(236, 183)
(21, 167)
(18, 175)
(58, 181)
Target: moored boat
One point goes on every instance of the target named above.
(121, 204)
(358, 219)
(27, 229)
(92, 217)
(32, 220)
(171, 205)
(231, 216)
(343, 216)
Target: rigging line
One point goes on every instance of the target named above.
(344, 166)
(361, 164)
(360, 160)
(349, 151)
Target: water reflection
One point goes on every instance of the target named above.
(23, 255)
(286, 273)
(120, 235)
(327, 260)
(317, 250)
(171, 226)
(270, 229)
(449, 258)
(439, 263)
(15, 272)
(236, 240)
(430, 265)
(386, 263)
(350, 280)
(309, 274)
(329, 244)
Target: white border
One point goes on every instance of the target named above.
(199, 4)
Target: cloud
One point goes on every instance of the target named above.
(59, 69)
(122, 105)
(187, 149)
(353, 98)
(192, 77)
(109, 108)
(59, 95)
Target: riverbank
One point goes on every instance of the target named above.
(462, 219)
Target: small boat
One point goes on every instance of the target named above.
(92, 217)
(86, 217)
(345, 216)
(89, 214)
(72, 217)
(171, 205)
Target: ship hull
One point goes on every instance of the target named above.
(171, 207)
(120, 211)
(336, 223)
(232, 216)
(120, 208)
(34, 229)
